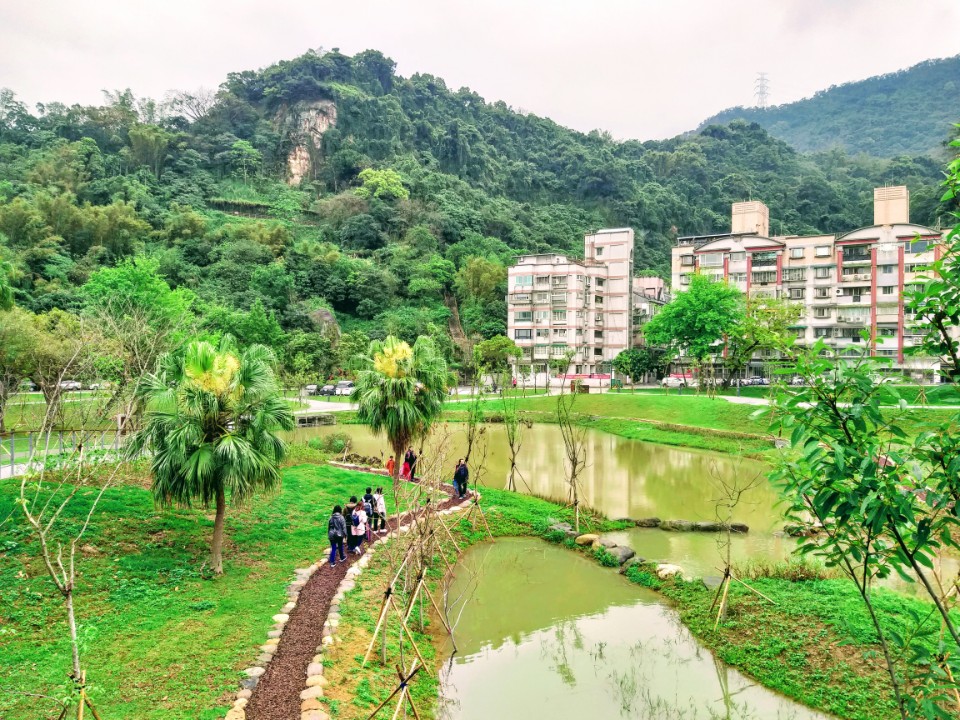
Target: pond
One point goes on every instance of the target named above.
(546, 632)
(624, 478)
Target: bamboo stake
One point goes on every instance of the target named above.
(753, 590)
(403, 682)
(403, 625)
(723, 600)
(383, 614)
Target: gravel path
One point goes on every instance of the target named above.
(277, 694)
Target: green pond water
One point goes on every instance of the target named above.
(543, 632)
(623, 478)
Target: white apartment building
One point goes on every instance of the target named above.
(558, 305)
(847, 283)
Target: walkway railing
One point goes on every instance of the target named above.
(21, 449)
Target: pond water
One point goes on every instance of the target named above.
(547, 633)
(622, 478)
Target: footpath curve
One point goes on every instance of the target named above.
(293, 651)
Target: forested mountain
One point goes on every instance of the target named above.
(328, 188)
(907, 112)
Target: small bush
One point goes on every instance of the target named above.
(605, 558)
(335, 443)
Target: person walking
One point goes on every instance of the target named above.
(380, 508)
(405, 471)
(463, 475)
(368, 509)
(411, 457)
(336, 534)
(391, 465)
(359, 528)
(349, 515)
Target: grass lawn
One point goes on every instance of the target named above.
(159, 639)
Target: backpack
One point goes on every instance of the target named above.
(355, 519)
(332, 529)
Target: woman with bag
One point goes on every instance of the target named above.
(336, 533)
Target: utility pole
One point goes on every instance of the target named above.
(761, 89)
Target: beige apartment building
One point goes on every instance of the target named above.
(847, 283)
(558, 305)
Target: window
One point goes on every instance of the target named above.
(560, 333)
(580, 315)
(765, 277)
(542, 334)
(541, 297)
(821, 293)
(599, 318)
(822, 272)
(598, 299)
(598, 334)
(522, 280)
(523, 316)
(761, 259)
(794, 274)
(886, 352)
(684, 279)
(800, 332)
(541, 315)
(522, 334)
(738, 256)
(558, 350)
(688, 260)
(887, 332)
(598, 352)
(886, 269)
(887, 290)
(821, 332)
(600, 283)
(822, 251)
(711, 259)
(738, 277)
(821, 312)
(797, 253)
(918, 247)
(543, 280)
(797, 293)
(599, 252)
(559, 316)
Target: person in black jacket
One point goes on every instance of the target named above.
(460, 477)
(336, 533)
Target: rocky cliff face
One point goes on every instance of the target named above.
(306, 123)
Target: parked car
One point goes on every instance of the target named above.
(326, 390)
(344, 387)
(309, 389)
(27, 386)
(99, 385)
(796, 380)
(70, 385)
(673, 382)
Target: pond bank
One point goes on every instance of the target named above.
(815, 645)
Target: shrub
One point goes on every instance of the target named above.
(335, 443)
(793, 570)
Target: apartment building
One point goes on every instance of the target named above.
(558, 305)
(847, 283)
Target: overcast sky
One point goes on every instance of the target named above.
(638, 68)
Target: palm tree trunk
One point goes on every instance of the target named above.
(216, 547)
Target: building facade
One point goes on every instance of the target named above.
(848, 284)
(559, 306)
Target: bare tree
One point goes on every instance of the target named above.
(192, 104)
(574, 443)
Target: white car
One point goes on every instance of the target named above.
(70, 385)
(673, 382)
(344, 387)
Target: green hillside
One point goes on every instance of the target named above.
(411, 200)
(907, 112)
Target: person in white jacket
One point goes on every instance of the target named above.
(380, 510)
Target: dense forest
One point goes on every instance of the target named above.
(907, 112)
(325, 200)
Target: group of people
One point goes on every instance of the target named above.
(351, 525)
(408, 468)
(356, 523)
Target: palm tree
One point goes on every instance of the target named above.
(210, 421)
(401, 390)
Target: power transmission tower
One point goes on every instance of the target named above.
(761, 89)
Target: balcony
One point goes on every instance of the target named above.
(855, 256)
(843, 300)
(517, 298)
(855, 277)
(852, 319)
(558, 300)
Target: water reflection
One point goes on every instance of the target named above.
(548, 633)
(622, 478)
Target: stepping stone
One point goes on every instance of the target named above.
(622, 553)
(712, 582)
(586, 539)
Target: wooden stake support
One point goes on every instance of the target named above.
(401, 690)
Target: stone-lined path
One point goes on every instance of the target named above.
(275, 694)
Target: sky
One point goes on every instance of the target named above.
(642, 69)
